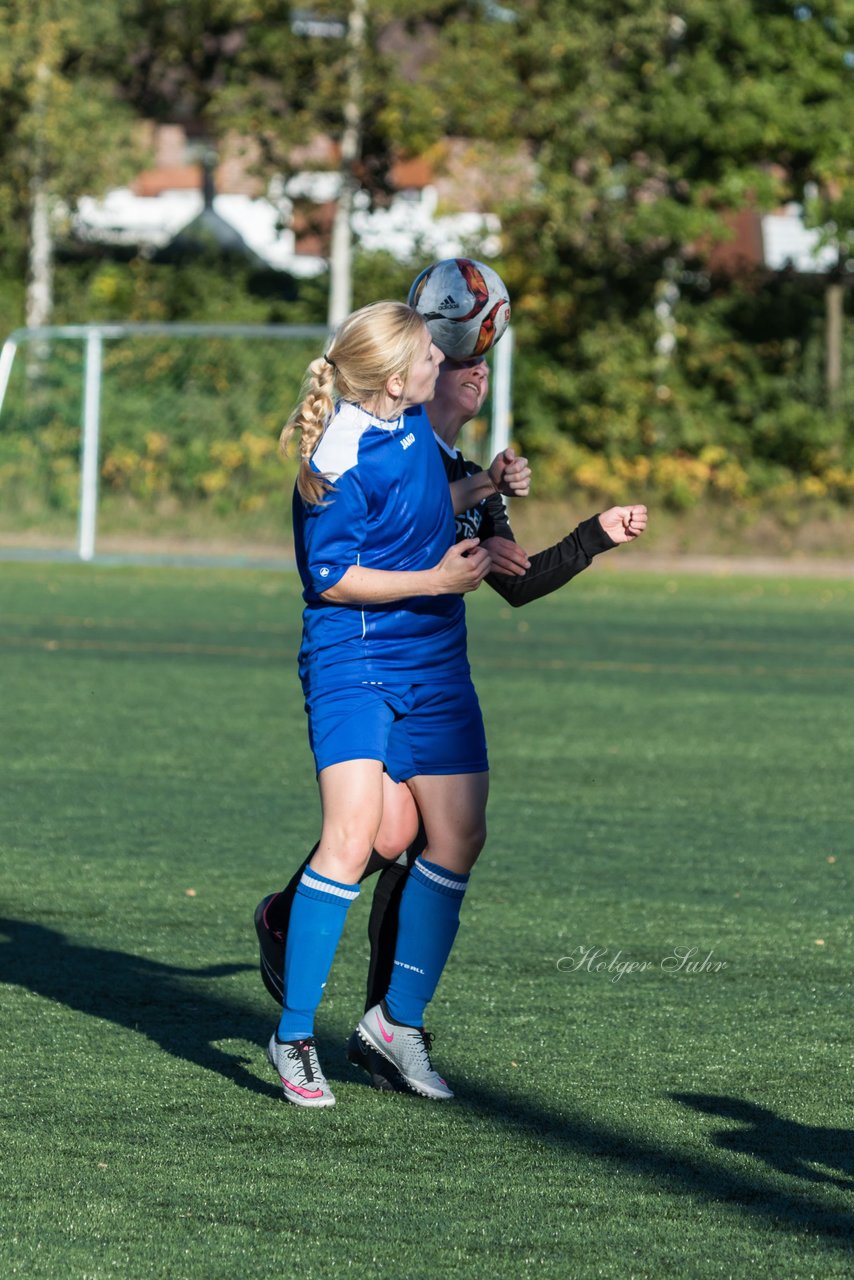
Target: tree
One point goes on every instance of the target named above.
(648, 122)
(63, 129)
(367, 75)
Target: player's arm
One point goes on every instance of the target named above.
(553, 568)
(494, 528)
(462, 568)
(506, 474)
(334, 535)
(520, 579)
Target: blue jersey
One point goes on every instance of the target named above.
(390, 508)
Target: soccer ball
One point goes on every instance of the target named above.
(465, 304)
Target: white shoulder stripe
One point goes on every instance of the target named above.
(338, 450)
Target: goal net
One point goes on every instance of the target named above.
(162, 432)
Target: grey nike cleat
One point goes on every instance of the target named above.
(302, 1080)
(407, 1049)
(383, 1075)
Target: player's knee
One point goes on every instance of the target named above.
(350, 850)
(395, 835)
(477, 839)
(460, 852)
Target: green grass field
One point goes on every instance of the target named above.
(671, 771)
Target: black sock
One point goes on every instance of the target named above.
(376, 864)
(382, 930)
(382, 926)
(388, 1016)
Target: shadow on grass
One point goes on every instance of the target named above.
(163, 1002)
(767, 1139)
(785, 1145)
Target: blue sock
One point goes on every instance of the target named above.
(429, 919)
(318, 913)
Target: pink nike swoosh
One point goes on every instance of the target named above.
(388, 1038)
(303, 1093)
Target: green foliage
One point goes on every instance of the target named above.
(644, 121)
(207, 289)
(630, 131)
(62, 120)
(646, 127)
(737, 412)
(379, 275)
(11, 293)
(183, 420)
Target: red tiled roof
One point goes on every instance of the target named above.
(415, 173)
(174, 177)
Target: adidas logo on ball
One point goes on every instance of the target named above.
(447, 303)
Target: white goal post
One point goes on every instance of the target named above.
(93, 337)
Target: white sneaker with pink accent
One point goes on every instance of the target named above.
(303, 1082)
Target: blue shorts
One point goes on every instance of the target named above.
(412, 728)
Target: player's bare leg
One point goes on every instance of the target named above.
(453, 809)
(399, 829)
(351, 797)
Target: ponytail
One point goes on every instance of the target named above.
(310, 418)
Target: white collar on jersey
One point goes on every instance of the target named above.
(449, 450)
(385, 423)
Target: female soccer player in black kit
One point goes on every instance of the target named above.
(460, 393)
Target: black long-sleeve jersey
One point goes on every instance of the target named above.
(549, 569)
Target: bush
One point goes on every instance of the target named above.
(736, 411)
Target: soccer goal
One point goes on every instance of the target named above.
(161, 413)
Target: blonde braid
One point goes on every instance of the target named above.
(310, 418)
(368, 348)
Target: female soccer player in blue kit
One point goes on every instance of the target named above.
(385, 675)
(460, 392)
